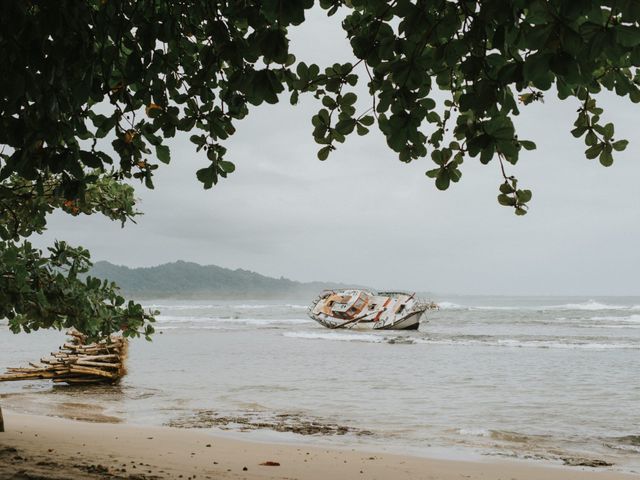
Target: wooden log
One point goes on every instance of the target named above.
(97, 364)
(109, 356)
(25, 376)
(92, 371)
(76, 362)
(84, 379)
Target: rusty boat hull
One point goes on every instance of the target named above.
(363, 309)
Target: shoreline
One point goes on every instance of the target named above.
(57, 448)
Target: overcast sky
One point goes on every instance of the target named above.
(364, 217)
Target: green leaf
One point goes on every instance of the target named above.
(349, 98)
(593, 151)
(323, 153)
(523, 196)
(506, 188)
(627, 35)
(506, 200)
(606, 159)
(361, 130)
(578, 131)
(227, 167)
(433, 173)
(367, 120)
(208, 176)
(163, 153)
(620, 145)
(608, 131)
(527, 145)
(442, 180)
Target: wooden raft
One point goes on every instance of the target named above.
(77, 362)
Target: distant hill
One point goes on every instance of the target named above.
(191, 280)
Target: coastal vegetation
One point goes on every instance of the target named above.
(190, 280)
(92, 92)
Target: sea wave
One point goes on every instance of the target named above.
(450, 306)
(343, 337)
(475, 432)
(589, 305)
(170, 319)
(629, 318)
(179, 319)
(628, 443)
(501, 435)
(227, 306)
(465, 341)
(547, 344)
(617, 326)
(181, 307)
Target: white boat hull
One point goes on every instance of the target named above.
(363, 310)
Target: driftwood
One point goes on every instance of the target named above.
(77, 362)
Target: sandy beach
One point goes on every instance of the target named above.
(47, 448)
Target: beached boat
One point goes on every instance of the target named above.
(365, 309)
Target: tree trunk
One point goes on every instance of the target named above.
(1, 421)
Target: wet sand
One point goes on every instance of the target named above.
(46, 448)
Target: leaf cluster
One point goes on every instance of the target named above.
(50, 291)
(92, 91)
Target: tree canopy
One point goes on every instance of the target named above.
(92, 90)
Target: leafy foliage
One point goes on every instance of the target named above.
(47, 292)
(91, 90)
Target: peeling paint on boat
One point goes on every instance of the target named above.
(356, 308)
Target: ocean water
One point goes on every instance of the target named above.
(543, 378)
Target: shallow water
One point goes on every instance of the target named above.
(545, 378)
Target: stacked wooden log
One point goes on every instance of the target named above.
(78, 362)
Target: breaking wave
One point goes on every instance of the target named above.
(344, 337)
(589, 305)
(631, 318)
(242, 306)
(548, 344)
(501, 435)
(450, 306)
(201, 322)
(479, 342)
(628, 443)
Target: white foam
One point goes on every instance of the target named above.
(495, 307)
(182, 307)
(588, 305)
(625, 448)
(605, 326)
(508, 343)
(225, 307)
(514, 343)
(264, 321)
(449, 306)
(630, 318)
(344, 337)
(179, 319)
(475, 432)
(222, 322)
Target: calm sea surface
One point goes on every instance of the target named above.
(542, 378)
